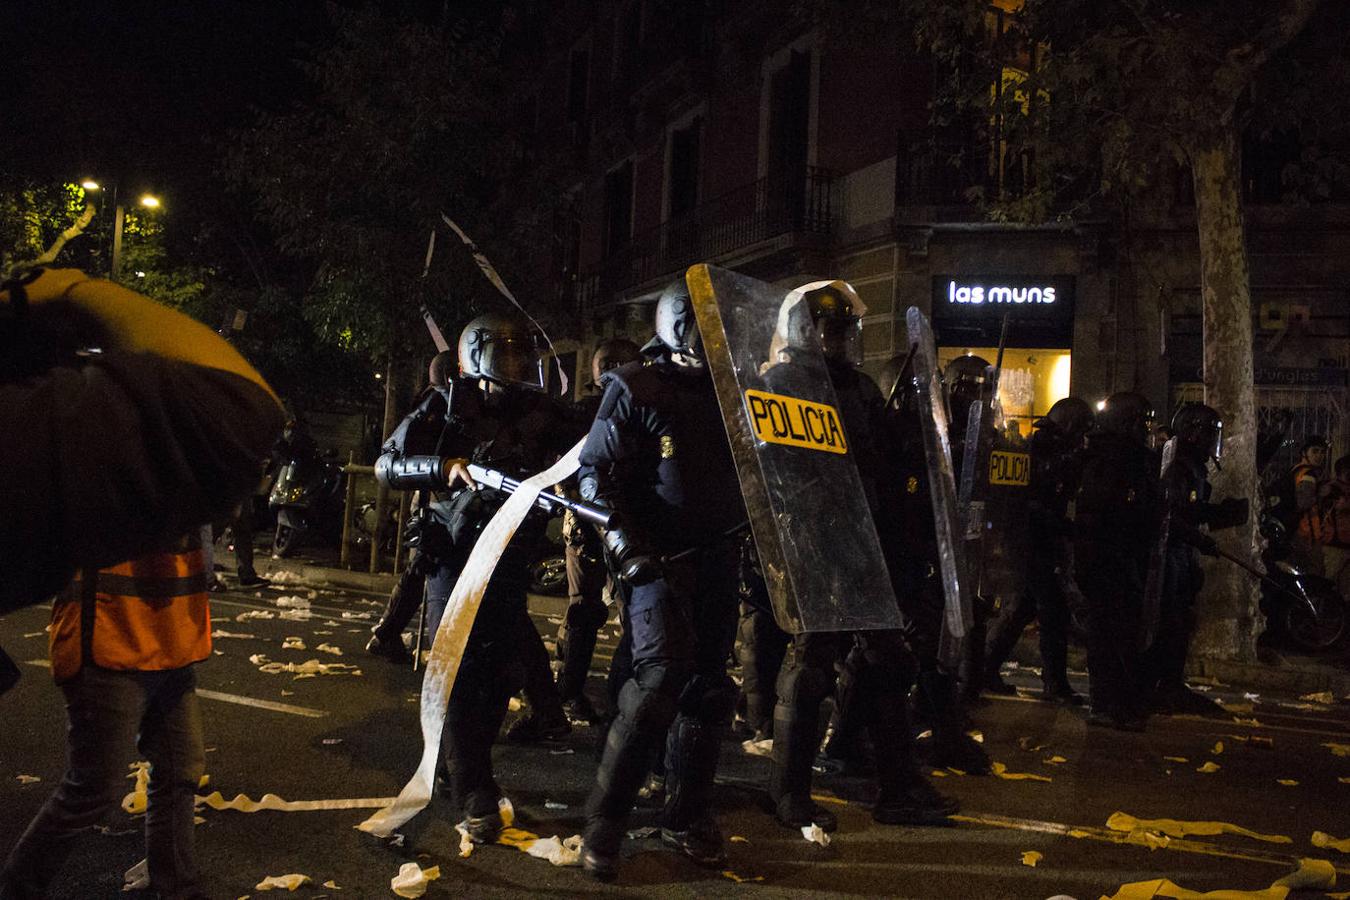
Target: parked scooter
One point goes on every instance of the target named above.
(306, 497)
(1303, 610)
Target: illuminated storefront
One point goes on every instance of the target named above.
(969, 316)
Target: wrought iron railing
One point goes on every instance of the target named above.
(740, 218)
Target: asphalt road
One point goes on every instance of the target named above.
(355, 736)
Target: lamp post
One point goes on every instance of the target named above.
(149, 201)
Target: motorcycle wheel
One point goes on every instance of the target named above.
(549, 576)
(283, 542)
(1315, 634)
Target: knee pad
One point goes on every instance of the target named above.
(804, 685)
(708, 698)
(650, 699)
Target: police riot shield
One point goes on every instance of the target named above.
(959, 614)
(1157, 562)
(804, 498)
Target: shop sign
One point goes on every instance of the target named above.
(1276, 376)
(993, 296)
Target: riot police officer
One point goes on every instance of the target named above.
(387, 635)
(918, 584)
(1115, 527)
(1198, 440)
(658, 455)
(1056, 449)
(587, 572)
(496, 415)
(879, 667)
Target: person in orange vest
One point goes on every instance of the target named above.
(123, 643)
(1336, 526)
(1310, 481)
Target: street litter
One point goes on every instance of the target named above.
(296, 615)
(1176, 759)
(514, 704)
(331, 741)
(255, 614)
(412, 879)
(308, 669)
(1237, 708)
(1209, 768)
(397, 840)
(1026, 744)
(27, 779)
(220, 633)
(273, 803)
(1312, 874)
(1287, 782)
(1120, 821)
(293, 643)
(815, 834)
(466, 843)
(1319, 697)
(1031, 857)
(553, 804)
(558, 852)
(1218, 748)
(1001, 770)
(284, 882)
(137, 878)
(292, 602)
(356, 615)
(566, 751)
(1055, 761)
(1322, 839)
(329, 648)
(331, 885)
(1252, 697)
(738, 839)
(741, 879)
(758, 748)
(1338, 749)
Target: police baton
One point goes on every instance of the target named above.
(498, 480)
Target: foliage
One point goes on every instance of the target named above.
(402, 122)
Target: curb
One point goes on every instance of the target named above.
(326, 577)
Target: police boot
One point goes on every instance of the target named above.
(970, 676)
(911, 800)
(691, 755)
(600, 848)
(794, 751)
(952, 747)
(404, 600)
(701, 841)
(843, 748)
(904, 797)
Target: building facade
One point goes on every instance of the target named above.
(722, 133)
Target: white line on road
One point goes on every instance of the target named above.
(263, 704)
(234, 698)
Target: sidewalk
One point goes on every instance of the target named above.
(1296, 675)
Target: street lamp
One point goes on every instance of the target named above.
(149, 201)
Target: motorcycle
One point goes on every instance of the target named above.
(307, 496)
(1305, 610)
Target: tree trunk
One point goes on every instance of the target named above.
(1228, 610)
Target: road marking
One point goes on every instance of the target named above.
(263, 704)
(1093, 833)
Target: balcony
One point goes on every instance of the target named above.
(737, 220)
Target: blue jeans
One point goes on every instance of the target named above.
(110, 712)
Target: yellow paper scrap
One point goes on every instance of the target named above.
(331, 885)
(1338, 749)
(1323, 840)
(282, 882)
(1287, 782)
(1121, 821)
(738, 839)
(1218, 748)
(1001, 771)
(1343, 780)
(741, 879)
(1055, 761)
(1031, 857)
(1209, 768)
(1319, 697)
(1237, 709)
(1079, 833)
(1311, 874)
(273, 803)
(1176, 759)
(1254, 723)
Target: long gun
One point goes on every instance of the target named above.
(498, 480)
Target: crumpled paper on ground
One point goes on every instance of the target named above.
(329, 648)
(559, 852)
(758, 748)
(1311, 874)
(1319, 697)
(291, 602)
(1121, 821)
(1209, 768)
(27, 779)
(307, 669)
(815, 834)
(282, 882)
(293, 643)
(412, 879)
(741, 879)
(1322, 839)
(1001, 770)
(1031, 857)
(137, 878)
(1337, 749)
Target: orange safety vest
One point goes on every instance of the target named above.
(1310, 520)
(147, 614)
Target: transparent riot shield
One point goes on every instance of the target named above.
(805, 500)
(941, 475)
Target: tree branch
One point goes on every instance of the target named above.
(1243, 61)
(73, 231)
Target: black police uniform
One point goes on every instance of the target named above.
(1115, 527)
(658, 454)
(760, 646)
(879, 667)
(587, 575)
(520, 432)
(1054, 481)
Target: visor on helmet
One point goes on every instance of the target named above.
(513, 360)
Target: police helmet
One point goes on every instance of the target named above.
(965, 380)
(1072, 416)
(442, 366)
(1199, 428)
(503, 349)
(612, 353)
(827, 314)
(676, 326)
(1128, 414)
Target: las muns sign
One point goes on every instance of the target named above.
(1040, 297)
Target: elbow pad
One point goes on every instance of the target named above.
(410, 473)
(634, 561)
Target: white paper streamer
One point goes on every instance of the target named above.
(447, 649)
